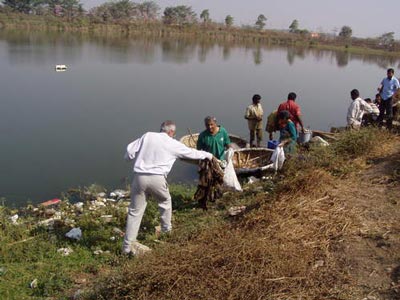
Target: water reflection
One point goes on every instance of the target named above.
(257, 56)
(40, 47)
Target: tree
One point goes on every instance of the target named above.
(229, 21)
(294, 27)
(23, 6)
(346, 32)
(120, 10)
(386, 39)
(260, 23)
(148, 10)
(179, 15)
(205, 16)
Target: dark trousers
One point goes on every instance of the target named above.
(386, 107)
(256, 133)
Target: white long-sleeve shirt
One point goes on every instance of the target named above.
(156, 152)
(356, 111)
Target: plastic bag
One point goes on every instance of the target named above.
(230, 178)
(278, 158)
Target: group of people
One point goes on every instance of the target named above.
(286, 119)
(367, 112)
(154, 153)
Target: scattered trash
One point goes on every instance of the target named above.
(49, 212)
(79, 205)
(107, 218)
(50, 222)
(236, 210)
(318, 264)
(252, 180)
(101, 195)
(33, 284)
(319, 141)
(65, 251)
(50, 202)
(14, 219)
(77, 295)
(74, 233)
(118, 231)
(139, 249)
(3, 271)
(119, 194)
(98, 252)
(113, 238)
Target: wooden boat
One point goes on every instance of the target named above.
(190, 140)
(251, 160)
(325, 135)
(245, 160)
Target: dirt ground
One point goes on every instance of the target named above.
(372, 242)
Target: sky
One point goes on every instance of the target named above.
(367, 18)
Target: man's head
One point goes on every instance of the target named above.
(292, 96)
(211, 124)
(168, 127)
(354, 94)
(256, 99)
(378, 98)
(390, 73)
(368, 100)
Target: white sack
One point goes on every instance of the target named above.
(278, 158)
(230, 178)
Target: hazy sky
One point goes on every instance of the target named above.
(366, 17)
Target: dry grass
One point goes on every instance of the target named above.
(286, 249)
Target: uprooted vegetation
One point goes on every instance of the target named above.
(290, 246)
(291, 242)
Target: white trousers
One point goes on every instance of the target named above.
(143, 184)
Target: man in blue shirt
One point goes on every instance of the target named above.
(387, 89)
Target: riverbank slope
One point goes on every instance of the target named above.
(326, 228)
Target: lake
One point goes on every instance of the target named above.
(68, 129)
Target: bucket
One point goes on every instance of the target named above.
(304, 137)
(272, 144)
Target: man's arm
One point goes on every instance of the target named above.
(182, 151)
(300, 122)
(380, 87)
(132, 148)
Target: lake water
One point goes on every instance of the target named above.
(70, 129)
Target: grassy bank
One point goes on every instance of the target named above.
(289, 242)
(212, 32)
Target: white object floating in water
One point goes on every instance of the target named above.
(61, 68)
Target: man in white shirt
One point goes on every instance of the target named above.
(356, 110)
(153, 156)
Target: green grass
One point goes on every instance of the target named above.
(29, 251)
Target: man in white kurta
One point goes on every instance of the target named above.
(356, 110)
(153, 156)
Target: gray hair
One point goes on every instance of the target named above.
(210, 118)
(167, 126)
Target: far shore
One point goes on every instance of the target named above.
(210, 33)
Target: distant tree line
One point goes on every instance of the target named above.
(149, 11)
